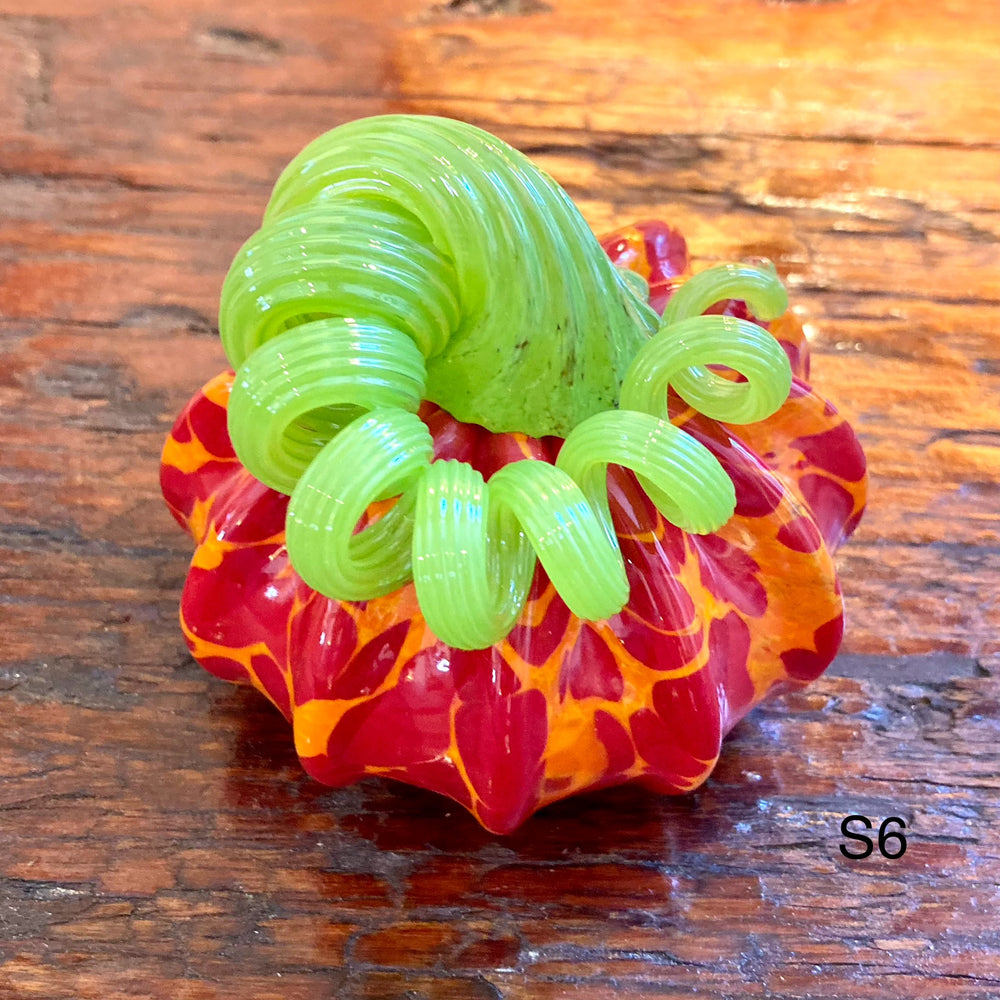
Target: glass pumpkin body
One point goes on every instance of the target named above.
(714, 623)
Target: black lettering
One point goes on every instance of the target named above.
(883, 836)
(867, 841)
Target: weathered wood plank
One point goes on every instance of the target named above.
(741, 883)
(857, 70)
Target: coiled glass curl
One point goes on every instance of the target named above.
(405, 258)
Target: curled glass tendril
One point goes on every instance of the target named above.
(405, 258)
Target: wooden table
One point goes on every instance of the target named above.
(157, 836)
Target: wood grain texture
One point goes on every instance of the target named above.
(157, 836)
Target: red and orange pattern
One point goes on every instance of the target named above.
(714, 623)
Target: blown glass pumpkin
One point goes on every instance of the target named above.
(472, 513)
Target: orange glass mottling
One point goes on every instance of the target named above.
(714, 623)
